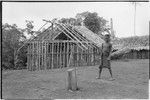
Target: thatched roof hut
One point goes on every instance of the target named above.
(136, 44)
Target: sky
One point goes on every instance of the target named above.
(122, 14)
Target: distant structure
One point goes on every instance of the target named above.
(111, 29)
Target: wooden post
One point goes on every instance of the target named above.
(31, 57)
(72, 81)
(67, 52)
(57, 54)
(49, 51)
(77, 56)
(60, 61)
(38, 51)
(64, 55)
(82, 58)
(28, 57)
(46, 54)
(42, 55)
(52, 55)
(45, 65)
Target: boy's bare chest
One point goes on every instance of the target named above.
(106, 47)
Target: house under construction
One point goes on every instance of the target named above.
(63, 45)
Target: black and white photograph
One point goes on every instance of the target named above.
(75, 50)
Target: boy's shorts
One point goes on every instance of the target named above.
(105, 64)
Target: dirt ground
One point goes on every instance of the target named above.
(131, 82)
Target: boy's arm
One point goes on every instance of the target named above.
(109, 57)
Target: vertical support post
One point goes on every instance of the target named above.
(77, 56)
(42, 55)
(67, 52)
(38, 62)
(52, 55)
(64, 55)
(28, 57)
(81, 57)
(60, 61)
(57, 45)
(45, 55)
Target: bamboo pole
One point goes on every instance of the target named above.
(49, 55)
(88, 55)
(57, 54)
(77, 56)
(70, 57)
(28, 57)
(38, 54)
(45, 65)
(64, 55)
(60, 54)
(42, 54)
(67, 52)
(52, 56)
(81, 64)
(73, 36)
(34, 64)
(50, 64)
(32, 57)
(35, 55)
(46, 55)
(40, 48)
(68, 36)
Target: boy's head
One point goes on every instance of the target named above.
(107, 38)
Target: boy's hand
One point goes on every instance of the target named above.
(108, 58)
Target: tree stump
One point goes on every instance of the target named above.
(72, 81)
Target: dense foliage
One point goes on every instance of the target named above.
(93, 22)
(12, 39)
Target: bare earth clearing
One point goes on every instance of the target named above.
(131, 81)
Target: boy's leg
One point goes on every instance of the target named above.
(100, 71)
(111, 74)
(110, 71)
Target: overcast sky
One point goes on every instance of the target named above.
(121, 12)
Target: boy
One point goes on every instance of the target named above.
(105, 56)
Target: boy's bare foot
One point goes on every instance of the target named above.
(98, 78)
(111, 79)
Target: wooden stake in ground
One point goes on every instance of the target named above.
(72, 77)
(72, 82)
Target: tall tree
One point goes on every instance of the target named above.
(92, 21)
(12, 38)
(71, 21)
(29, 28)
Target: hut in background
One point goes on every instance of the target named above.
(131, 48)
(63, 45)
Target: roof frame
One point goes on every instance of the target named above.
(69, 36)
(74, 36)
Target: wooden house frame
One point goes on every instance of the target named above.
(63, 45)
